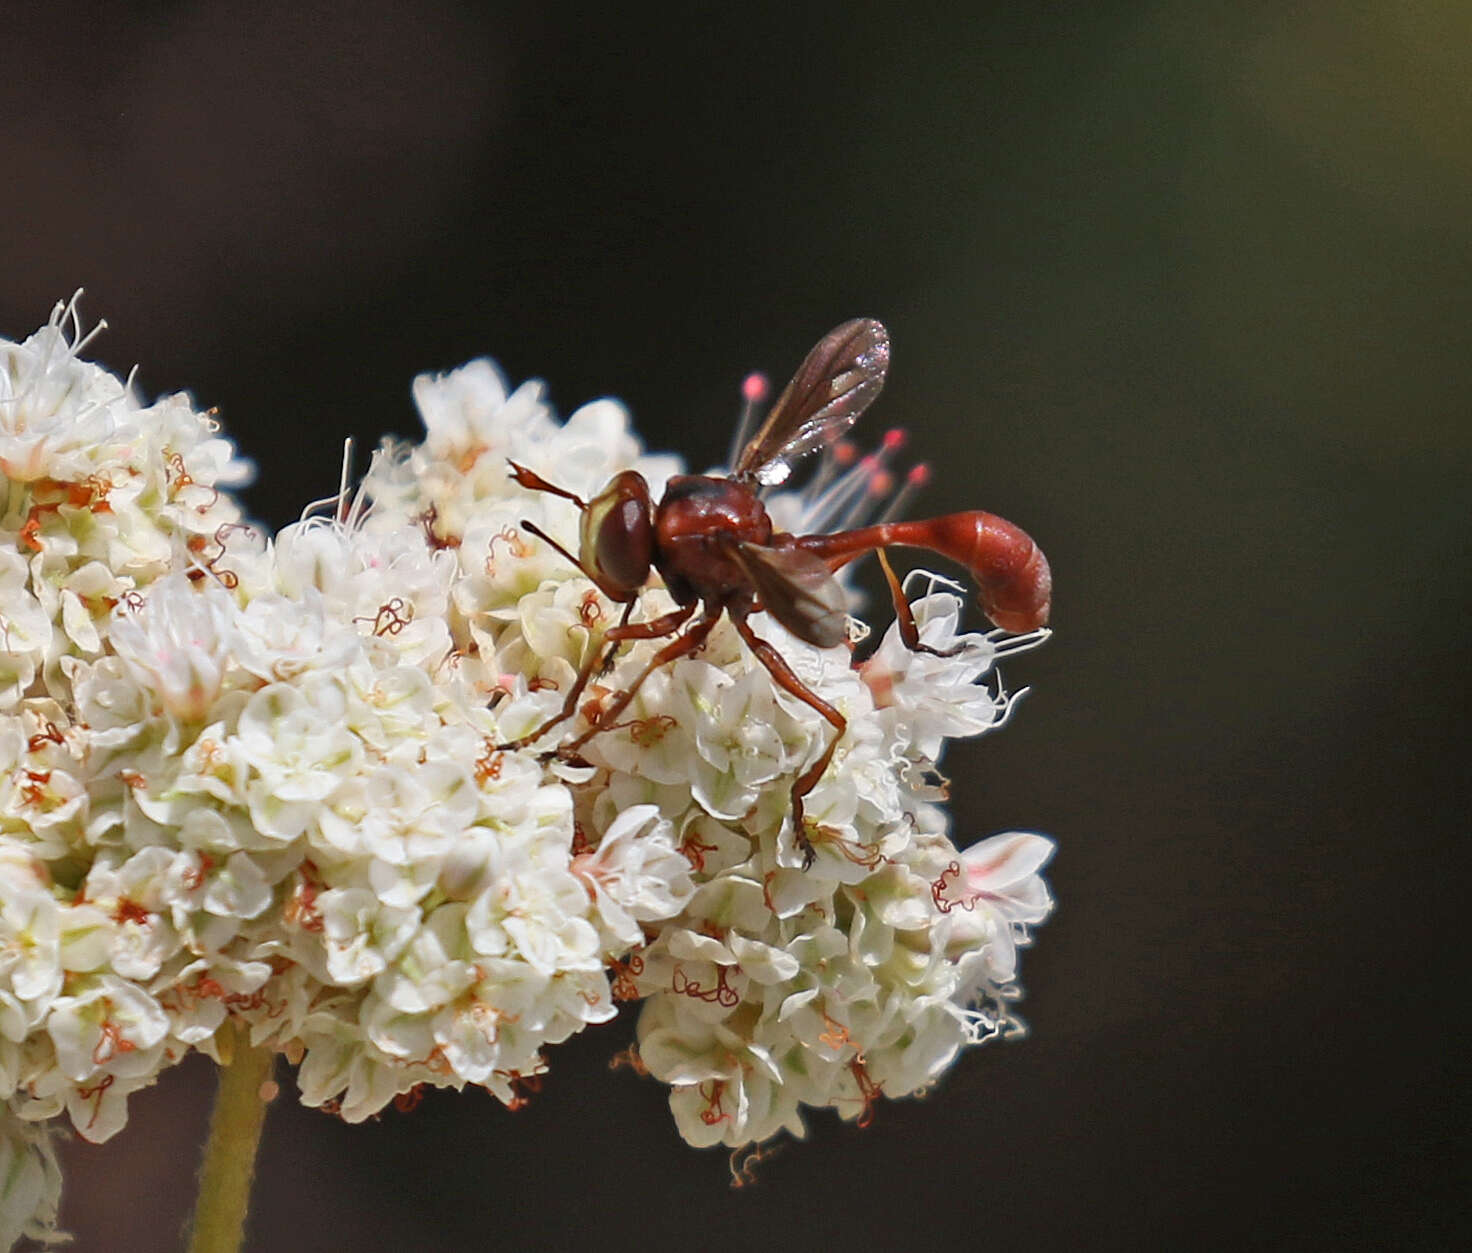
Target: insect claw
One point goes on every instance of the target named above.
(800, 835)
(954, 651)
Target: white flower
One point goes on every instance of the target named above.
(25, 630)
(54, 408)
(108, 1024)
(280, 639)
(137, 892)
(932, 698)
(635, 877)
(276, 783)
(996, 895)
(177, 643)
(299, 751)
(362, 934)
(30, 930)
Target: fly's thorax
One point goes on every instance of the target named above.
(699, 521)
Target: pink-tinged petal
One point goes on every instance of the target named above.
(1003, 860)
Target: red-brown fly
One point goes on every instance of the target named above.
(713, 544)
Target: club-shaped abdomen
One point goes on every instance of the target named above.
(617, 537)
(1013, 580)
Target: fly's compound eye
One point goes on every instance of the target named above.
(618, 536)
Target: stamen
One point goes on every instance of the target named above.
(349, 505)
(313, 506)
(838, 498)
(847, 501)
(917, 478)
(342, 482)
(73, 312)
(754, 388)
(1004, 642)
(836, 456)
(81, 343)
(1006, 704)
(932, 581)
(879, 484)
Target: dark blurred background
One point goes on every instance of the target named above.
(1182, 288)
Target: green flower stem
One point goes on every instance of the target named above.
(230, 1155)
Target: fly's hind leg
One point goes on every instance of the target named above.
(905, 616)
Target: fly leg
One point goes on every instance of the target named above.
(600, 659)
(789, 682)
(623, 623)
(680, 646)
(904, 616)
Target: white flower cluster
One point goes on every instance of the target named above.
(259, 780)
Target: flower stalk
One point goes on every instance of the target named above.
(230, 1155)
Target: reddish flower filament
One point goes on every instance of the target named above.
(713, 1113)
(868, 1090)
(723, 994)
(301, 910)
(408, 1102)
(628, 1057)
(49, 736)
(488, 765)
(439, 543)
(391, 617)
(96, 1091)
(111, 1043)
(624, 975)
(695, 850)
(33, 791)
(836, 1035)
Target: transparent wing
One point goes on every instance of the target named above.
(799, 591)
(836, 382)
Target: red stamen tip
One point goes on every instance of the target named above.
(870, 463)
(754, 387)
(919, 475)
(894, 439)
(881, 484)
(844, 452)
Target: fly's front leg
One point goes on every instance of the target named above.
(783, 674)
(905, 616)
(681, 646)
(608, 657)
(600, 660)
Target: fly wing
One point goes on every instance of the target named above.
(836, 382)
(799, 591)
